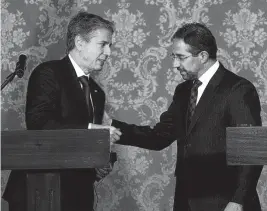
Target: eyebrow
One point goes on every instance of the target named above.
(105, 42)
(177, 54)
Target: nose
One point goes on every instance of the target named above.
(107, 50)
(176, 63)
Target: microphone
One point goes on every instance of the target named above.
(21, 66)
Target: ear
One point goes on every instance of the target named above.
(78, 42)
(204, 56)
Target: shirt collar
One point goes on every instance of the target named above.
(205, 78)
(77, 69)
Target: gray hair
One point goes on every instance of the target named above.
(85, 24)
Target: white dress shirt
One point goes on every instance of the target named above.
(205, 79)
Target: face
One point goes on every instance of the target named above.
(187, 64)
(95, 52)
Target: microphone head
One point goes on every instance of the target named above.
(21, 65)
(22, 58)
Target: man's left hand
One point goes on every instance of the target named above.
(232, 206)
(103, 172)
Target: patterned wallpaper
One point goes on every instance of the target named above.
(138, 78)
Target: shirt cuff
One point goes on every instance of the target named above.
(238, 207)
(90, 126)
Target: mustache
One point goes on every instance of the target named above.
(103, 58)
(181, 70)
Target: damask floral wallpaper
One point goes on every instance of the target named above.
(138, 78)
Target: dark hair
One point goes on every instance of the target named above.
(198, 37)
(85, 24)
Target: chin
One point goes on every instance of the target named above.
(185, 77)
(99, 68)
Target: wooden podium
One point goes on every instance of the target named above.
(48, 150)
(246, 145)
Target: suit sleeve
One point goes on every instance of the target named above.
(153, 138)
(244, 110)
(43, 102)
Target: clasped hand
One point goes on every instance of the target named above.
(114, 132)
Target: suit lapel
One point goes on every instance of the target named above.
(98, 98)
(72, 84)
(94, 90)
(207, 96)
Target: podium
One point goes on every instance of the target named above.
(246, 145)
(50, 150)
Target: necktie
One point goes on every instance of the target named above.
(86, 89)
(193, 99)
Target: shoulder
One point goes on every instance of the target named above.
(234, 81)
(50, 69)
(46, 67)
(238, 88)
(45, 74)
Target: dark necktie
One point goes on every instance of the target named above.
(193, 99)
(85, 83)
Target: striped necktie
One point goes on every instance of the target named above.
(193, 99)
(86, 89)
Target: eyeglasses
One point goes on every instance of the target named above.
(181, 58)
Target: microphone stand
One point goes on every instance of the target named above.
(9, 78)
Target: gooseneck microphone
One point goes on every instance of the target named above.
(19, 70)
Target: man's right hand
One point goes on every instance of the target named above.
(114, 132)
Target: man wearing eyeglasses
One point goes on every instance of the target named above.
(210, 99)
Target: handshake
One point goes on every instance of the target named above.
(114, 132)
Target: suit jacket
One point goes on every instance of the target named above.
(55, 100)
(201, 169)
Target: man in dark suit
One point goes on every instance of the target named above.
(210, 99)
(62, 95)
